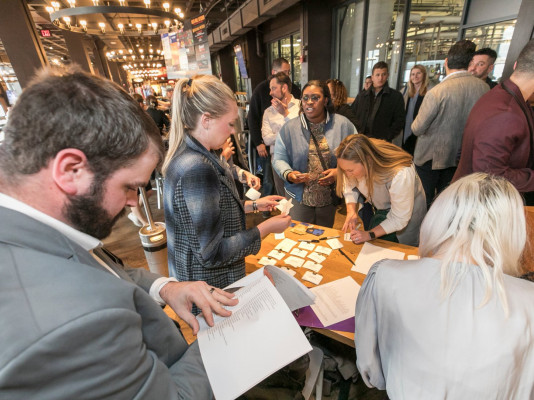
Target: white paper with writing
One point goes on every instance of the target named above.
(324, 250)
(312, 266)
(316, 257)
(306, 246)
(253, 194)
(334, 243)
(285, 205)
(286, 245)
(312, 277)
(231, 349)
(276, 254)
(369, 254)
(299, 252)
(294, 261)
(335, 301)
(267, 261)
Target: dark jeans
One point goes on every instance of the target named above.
(434, 180)
(323, 216)
(267, 184)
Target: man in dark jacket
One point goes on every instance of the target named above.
(380, 109)
(259, 102)
(499, 133)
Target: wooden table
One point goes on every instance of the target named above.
(336, 266)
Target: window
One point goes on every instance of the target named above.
(495, 36)
(290, 49)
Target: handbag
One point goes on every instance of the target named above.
(336, 200)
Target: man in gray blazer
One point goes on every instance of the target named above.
(75, 323)
(440, 122)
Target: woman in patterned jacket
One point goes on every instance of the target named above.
(207, 235)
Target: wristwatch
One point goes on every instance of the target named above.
(371, 234)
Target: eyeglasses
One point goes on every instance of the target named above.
(314, 97)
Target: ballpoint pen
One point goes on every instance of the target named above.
(317, 240)
(346, 256)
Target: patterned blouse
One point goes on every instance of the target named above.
(316, 195)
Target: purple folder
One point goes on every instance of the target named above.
(306, 317)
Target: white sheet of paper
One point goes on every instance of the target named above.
(312, 277)
(279, 236)
(289, 271)
(346, 237)
(276, 254)
(369, 254)
(335, 301)
(334, 243)
(294, 293)
(312, 266)
(253, 194)
(286, 245)
(324, 250)
(412, 257)
(285, 205)
(231, 349)
(316, 257)
(299, 252)
(267, 261)
(294, 261)
(306, 246)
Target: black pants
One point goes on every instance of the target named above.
(434, 180)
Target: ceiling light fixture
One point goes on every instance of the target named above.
(102, 27)
(67, 21)
(121, 28)
(138, 26)
(166, 6)
(83, 23)
(147, 3)
(72, 3)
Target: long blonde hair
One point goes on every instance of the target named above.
(479, 220)
(381, 160)
(424, 85)
(193, 97)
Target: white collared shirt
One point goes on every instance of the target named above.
(85, 241)
(273, 121)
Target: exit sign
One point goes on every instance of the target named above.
(45, 33)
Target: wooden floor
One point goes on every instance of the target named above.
(124, 241)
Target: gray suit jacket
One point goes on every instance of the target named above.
(441, 119)
(72, 330)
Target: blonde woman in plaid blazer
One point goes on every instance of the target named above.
(207, 235)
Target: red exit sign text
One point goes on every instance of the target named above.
(45, 33)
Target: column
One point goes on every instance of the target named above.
(77, 51)
(19, 36)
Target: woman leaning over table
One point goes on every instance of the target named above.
(304, 155)
(455, 324)
(207, 236)
(382, 174)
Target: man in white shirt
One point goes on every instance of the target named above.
(79, 324)
(283, 108)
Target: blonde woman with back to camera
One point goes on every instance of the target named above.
(207, 235)
(455, 324)
(381, 174)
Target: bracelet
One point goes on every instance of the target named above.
(255, 207)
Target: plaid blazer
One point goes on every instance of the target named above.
(207, 235)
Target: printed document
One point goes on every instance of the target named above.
(335, 301)
(245, 348)
(369, 254)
